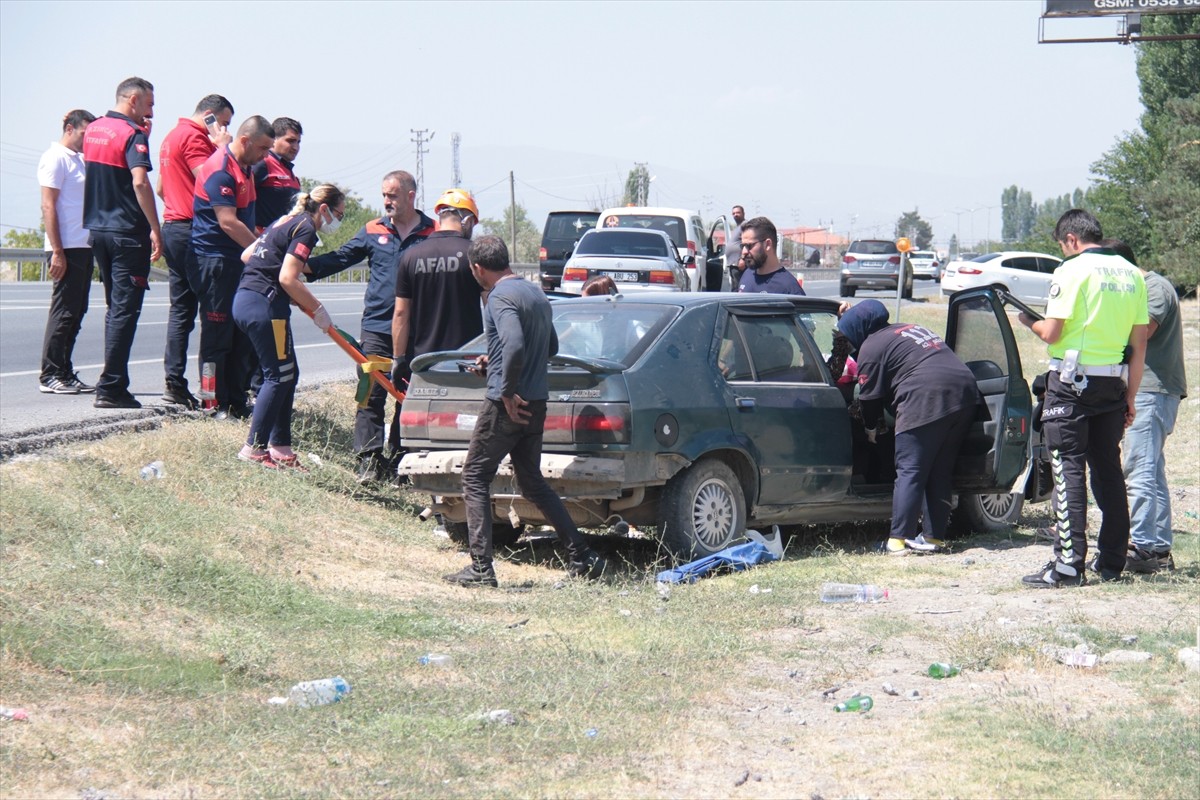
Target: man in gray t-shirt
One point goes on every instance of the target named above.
(1163, 386)
(519, 326)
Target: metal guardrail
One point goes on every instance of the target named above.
(19, 257)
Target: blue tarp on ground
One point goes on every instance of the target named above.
(758, 550)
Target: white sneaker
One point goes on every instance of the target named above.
(923, 545)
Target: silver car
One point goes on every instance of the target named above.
(637, 260)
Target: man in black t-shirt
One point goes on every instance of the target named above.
(437, 300)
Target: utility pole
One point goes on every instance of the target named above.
(512, 213)
(420, 139)
(455, 170)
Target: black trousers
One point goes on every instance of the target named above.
(124, 261)
(1083, 432)
(925, 475)
(181, 318)
(221, 341)
(369, 433)
(68, 305)
(496, 436)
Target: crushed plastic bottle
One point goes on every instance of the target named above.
(155, 470)
(435, 660)
(860, 702)
(318, 693)
(940, 669)
(852, 593)
(15, 714)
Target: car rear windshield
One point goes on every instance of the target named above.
(874, 248)
(622, 243)
(985, 257)
(671, 226)
(569, 227)
(608, 330)
(922, 254)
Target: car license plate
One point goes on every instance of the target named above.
(622, 277)
(873, 264)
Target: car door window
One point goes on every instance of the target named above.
(768, 350)
(1024, 263)
(1047, 265)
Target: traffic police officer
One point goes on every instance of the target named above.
(1095, 326)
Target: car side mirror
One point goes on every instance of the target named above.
(690, 260)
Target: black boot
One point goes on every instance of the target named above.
(477, 573)
(590, 565)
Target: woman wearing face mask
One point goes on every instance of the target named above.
(270, 282)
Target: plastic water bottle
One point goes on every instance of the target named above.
(852, 593)
(153, 471)
(435, 660)
(940, 669)
(318, 693)
(860, 702)
(208, 384)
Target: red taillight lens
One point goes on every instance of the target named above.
(593, 424)
(848, 259)
(970, 271)
(800, 280)
(691, 249)
(575, 274)
(894, 261)
(662, 276)
(542, 253)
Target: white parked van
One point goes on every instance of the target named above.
(686, 230)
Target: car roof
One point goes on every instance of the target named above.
(659, 210)
(695, 299)
(634, 231)
(572, 213)
(1008, 253)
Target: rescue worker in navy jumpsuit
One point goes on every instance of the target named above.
(270, 283)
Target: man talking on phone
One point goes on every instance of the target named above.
(183, 151)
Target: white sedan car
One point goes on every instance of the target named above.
(637, 260)
(1026, 275)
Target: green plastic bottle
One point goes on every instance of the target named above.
(940, 669)
(860, 702)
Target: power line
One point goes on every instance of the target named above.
(549, 194)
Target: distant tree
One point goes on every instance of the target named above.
(1010, 214)
(953, 246)
(358, 214)
(529, 238)
(637, 186)
(27, 239)
(1173, 200)
(918, 230)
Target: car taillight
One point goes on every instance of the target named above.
(606, 423)
(541, 253)
(894, 261)
(662, 276)
(575, 274)
(800, 280)
(848, 259)
(970, 271)
(692, 249)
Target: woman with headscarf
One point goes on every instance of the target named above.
(911, 370)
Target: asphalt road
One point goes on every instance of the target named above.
(23, 309)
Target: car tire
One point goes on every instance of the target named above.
(503, 534)
(988, 513)
(846, 291)
(702, 510)
(908, 291)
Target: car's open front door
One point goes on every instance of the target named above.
(718, 276)
(996, 448)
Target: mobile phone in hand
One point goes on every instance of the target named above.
(210, 122)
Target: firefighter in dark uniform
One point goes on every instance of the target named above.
(1096, 327)
(122, 218)
(380, 243)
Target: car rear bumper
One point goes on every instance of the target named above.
(574, 476)
(870, 281)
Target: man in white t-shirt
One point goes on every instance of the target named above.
(61, 172)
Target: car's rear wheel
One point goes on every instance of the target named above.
(846, 291)
(702, 510)
(503, 534)
(908, 290)
(988, 513)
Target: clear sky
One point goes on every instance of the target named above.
(830, 111)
